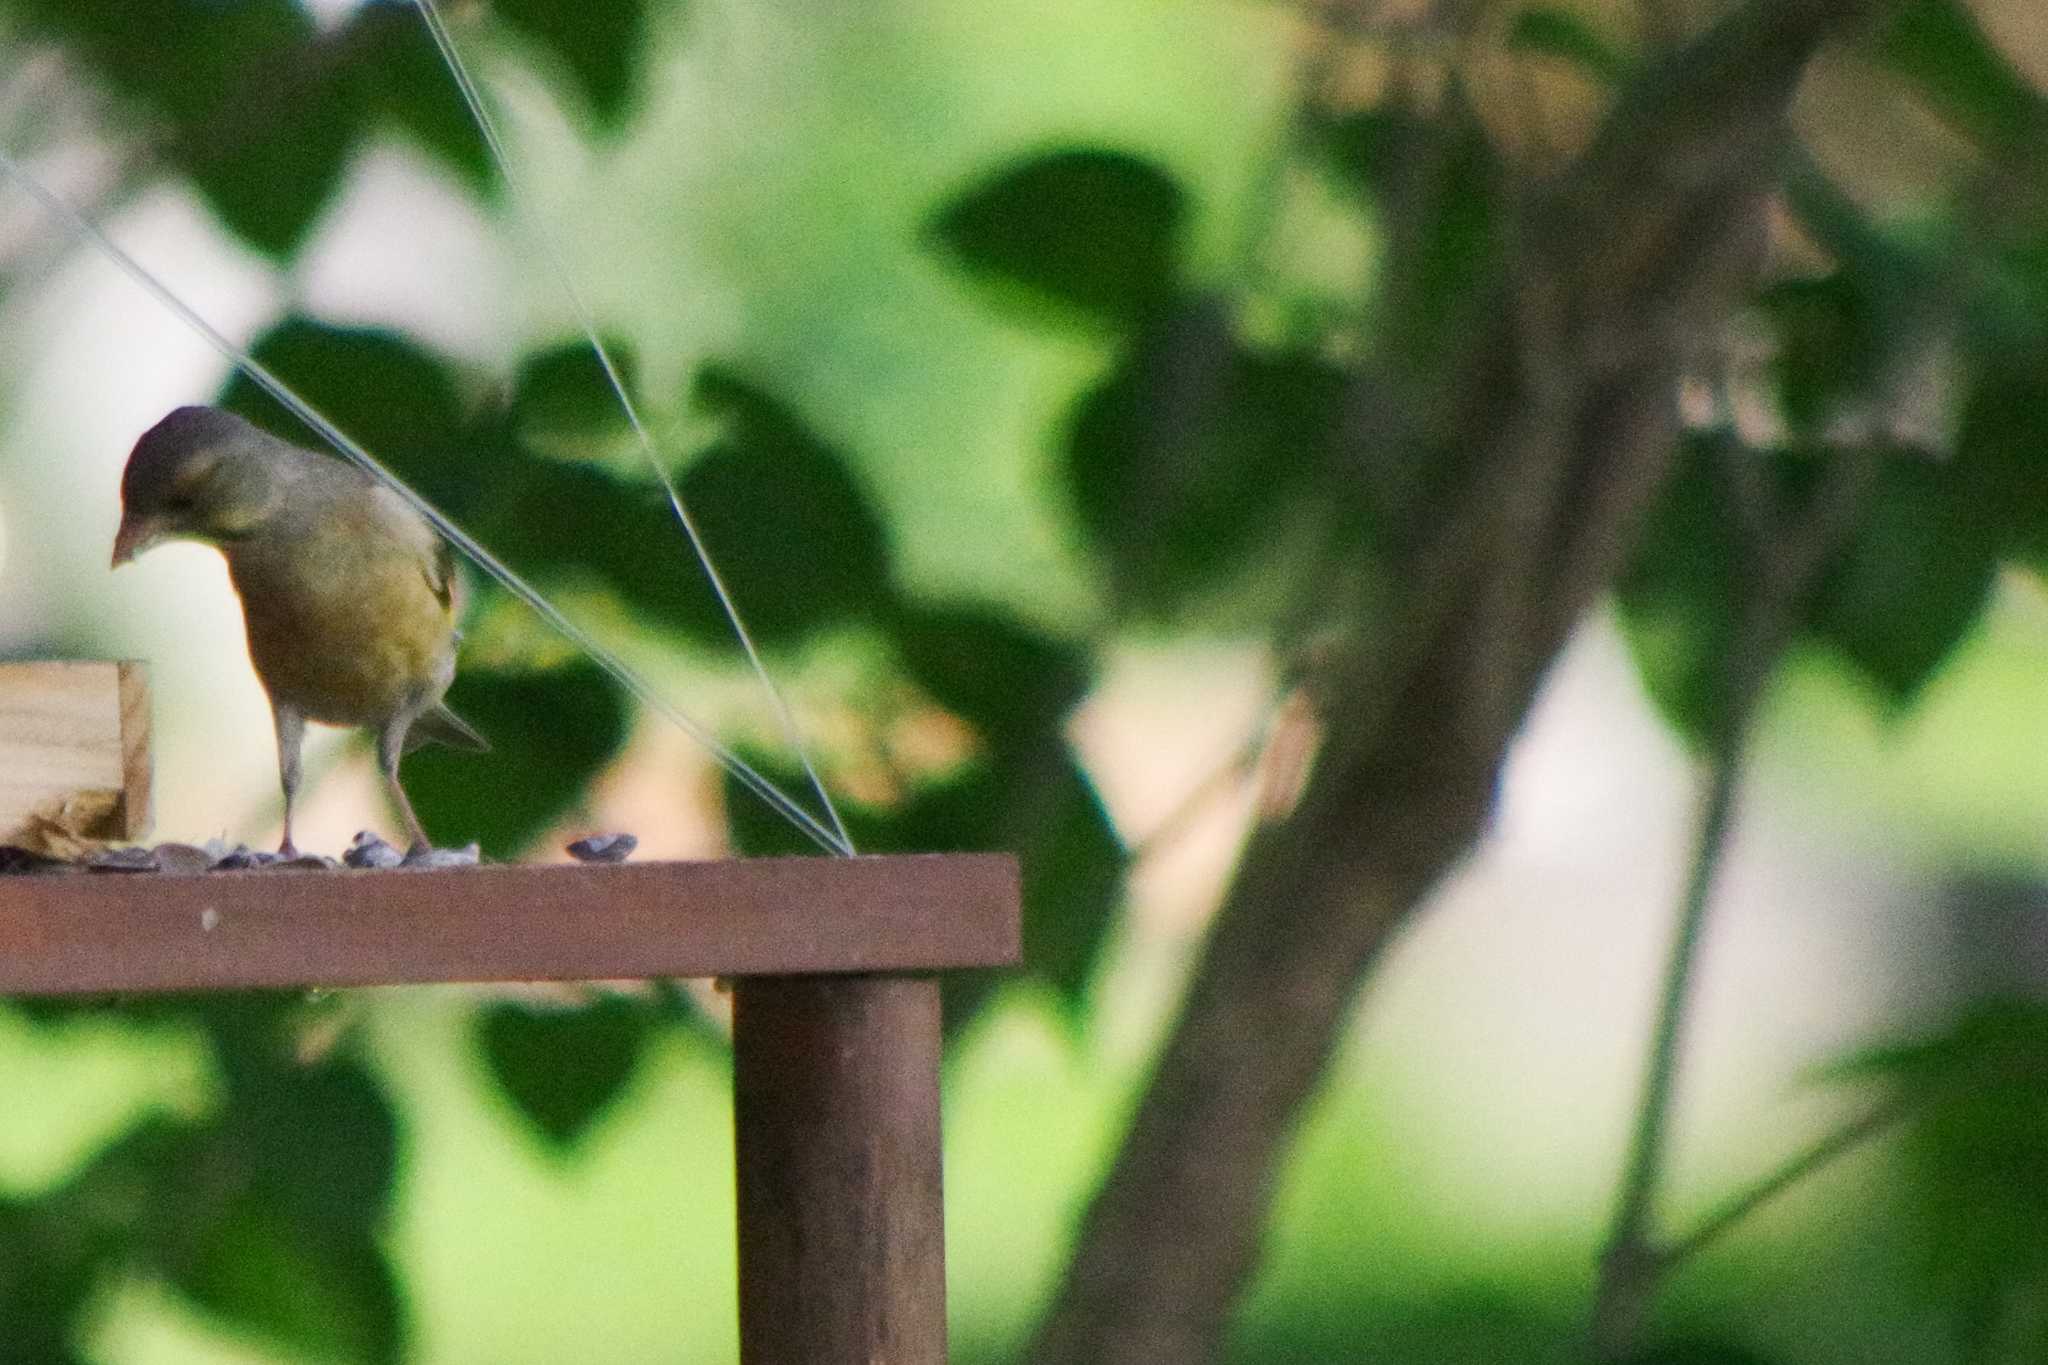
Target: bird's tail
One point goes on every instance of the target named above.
(439, 725)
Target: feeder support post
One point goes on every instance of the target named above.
(842, 1254)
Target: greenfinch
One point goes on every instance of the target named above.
(347, 593)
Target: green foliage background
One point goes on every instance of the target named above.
(948, 316)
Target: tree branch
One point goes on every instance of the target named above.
(1880, 1119)
(1787, 566)
(1638, 247)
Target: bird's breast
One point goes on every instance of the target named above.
(346, 629)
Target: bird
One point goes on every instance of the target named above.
(347, 591)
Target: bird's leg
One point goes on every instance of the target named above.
(390, 746)
(291, 735)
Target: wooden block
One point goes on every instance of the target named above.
(74, 751)
(109, 933)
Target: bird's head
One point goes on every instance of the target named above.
(199, 474)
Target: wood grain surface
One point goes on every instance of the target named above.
(103, 932)
(74, 750)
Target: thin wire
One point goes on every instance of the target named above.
(86, 231)
(551, 247)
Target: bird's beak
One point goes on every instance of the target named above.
(136, 535)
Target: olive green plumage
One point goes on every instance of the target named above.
(347, 592)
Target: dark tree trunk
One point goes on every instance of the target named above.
(1620, 267)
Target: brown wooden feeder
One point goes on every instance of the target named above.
(835, 1005)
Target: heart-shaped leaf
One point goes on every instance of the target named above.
(600, 44)
(563, 402)
(1093, 231)
(991, 669)
(1199, 463)
(392, 396)
(563, 1069)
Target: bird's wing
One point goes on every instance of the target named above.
(441, 573)
(436, 556)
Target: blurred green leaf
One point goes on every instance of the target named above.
(411, 89)
(1439, 188)
(181, 58)
(1906, 586)
(563, 1069)
(1988, 269)
(757, 830)
(1550, 31)
(265, 1216)
(1029, 798)
(1094, 231)
(1996, 1039)
(1073, 865)
(1375, 149)
(2002, 455)
(1678, 601)
(395, 398)
(48, 1270)
(324, 1297)
(798, 543)
(795, 540)
(271, 171)
(939, 815)
(1198, 459)
(551, 733)
(559, 522)
(562, 400)
(260, 109)
(1697, 1353)
(989, 668)
(1942, 49)
(141, 1012)
(1347, 1316)
(319, 1144)
(1877, 255)
(267, 1213)
(2006, 314)
(1830, 347)
(1033, 801)
(598, 42)
(1913, 580)
(1976, 1166)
